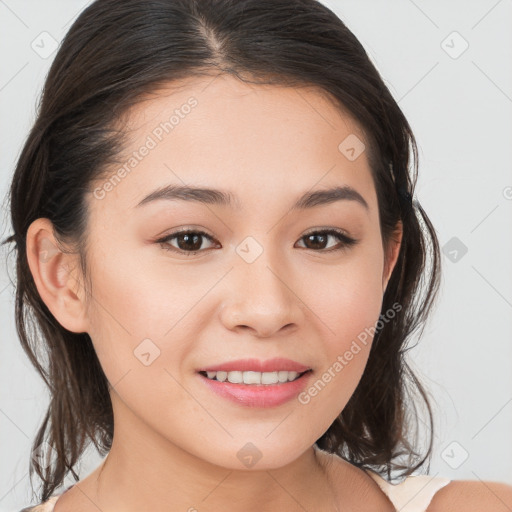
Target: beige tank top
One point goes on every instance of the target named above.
(414, 494)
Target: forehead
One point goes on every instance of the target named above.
(259, 140)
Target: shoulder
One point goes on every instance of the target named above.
(472, 496)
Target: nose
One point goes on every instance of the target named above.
(259, 297)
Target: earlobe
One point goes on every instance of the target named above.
(52, 270)
(391, 256)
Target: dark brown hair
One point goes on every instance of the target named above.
(119, 51)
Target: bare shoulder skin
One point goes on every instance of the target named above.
(473, 496)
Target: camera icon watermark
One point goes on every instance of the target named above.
(454, 45)
(146, 352)
(454, 455)
(351, 147)
(249, 249)
(454, 249)
(44, 45)
(48, 250)
(249, 455)
(43, 455)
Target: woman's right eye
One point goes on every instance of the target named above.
(189, 242)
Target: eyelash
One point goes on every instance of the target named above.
(346, 241)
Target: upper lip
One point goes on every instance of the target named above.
(255, 365)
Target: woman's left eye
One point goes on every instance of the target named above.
(321, 237)
(189, 242)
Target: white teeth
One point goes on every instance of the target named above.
(283, 375)
(252, 378)
(249, 377)
(235, 377)
(221, 376)
(269, 378)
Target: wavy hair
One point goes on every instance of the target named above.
(114, 55)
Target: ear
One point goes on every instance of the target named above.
(391, 255)
(54, 275)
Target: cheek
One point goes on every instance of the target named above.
(350, 310)
(348, 297)
(347, 303)
(129, 316)
(144, 317)
(134, 299)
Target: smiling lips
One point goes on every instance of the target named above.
(254, 371)
(255, 383)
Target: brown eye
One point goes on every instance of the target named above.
(318, 240)
(188, 242)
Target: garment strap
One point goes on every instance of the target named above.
(414, 494)
(47, 506)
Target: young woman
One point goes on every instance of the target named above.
(219, 246)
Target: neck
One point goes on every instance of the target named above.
(144, 471)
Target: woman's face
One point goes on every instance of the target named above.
(257, 287)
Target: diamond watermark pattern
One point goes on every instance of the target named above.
(454, 249)
(249, 249)
(249, 455)
(44, 45)
(146, 352)
(454, 455)
(454, 45)
(351, 147)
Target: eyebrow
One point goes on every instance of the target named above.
(225, 198)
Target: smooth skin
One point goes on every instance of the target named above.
(176, 443)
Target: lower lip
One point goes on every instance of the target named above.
(258, 395)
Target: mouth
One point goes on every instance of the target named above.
(256, 389)
(252, 378)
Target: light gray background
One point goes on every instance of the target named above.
(459, 105)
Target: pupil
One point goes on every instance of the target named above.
(312, 237)
(188, 239)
